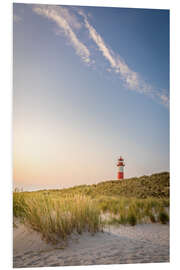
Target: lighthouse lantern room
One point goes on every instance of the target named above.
(120, 165)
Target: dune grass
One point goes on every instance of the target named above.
(56, 218)
(154, 186)
(133, 210)
(59, 213)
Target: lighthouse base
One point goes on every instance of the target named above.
(120, 175)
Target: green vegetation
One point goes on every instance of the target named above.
(163, 217)
(18, 204)
(156, 186)
(58, 213)
(132, 210)
(57, 218)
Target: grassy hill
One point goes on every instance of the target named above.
(80, 208)
(156, 186)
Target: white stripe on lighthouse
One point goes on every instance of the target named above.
(120, 168)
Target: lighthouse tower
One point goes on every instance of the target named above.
(120, 166)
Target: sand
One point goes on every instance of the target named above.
(144, 243)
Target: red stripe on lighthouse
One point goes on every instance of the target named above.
(120, 175)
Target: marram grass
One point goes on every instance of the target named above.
(133, 210)
(56, 218)
(59, 213)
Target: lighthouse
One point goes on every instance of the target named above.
(120, 165)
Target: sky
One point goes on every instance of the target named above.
(89, 84)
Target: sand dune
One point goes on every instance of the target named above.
(116, 245)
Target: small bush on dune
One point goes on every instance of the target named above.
(163, 217)
(122, 218)
(132, 220)
(152, 218)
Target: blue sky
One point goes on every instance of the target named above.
(90, 84)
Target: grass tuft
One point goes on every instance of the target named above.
(59, 213)
(163, 217)
(132, 220)
(57, 218)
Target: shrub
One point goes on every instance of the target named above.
(152, 218)
(132, 220)
(122, 219)
(163, 217)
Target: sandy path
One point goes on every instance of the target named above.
(116, 245)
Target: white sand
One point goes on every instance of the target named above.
(116, 245)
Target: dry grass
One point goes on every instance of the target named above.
(58, 213)
(132, 210)
(56, 218)
(154, 186)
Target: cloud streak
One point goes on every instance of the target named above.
(130, 78)
(69, 22)
(119, 66)
(64, 21)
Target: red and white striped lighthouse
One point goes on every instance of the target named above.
(120, 165)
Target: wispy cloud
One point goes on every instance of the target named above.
(64, 21)
(131, 79)
(69, 22)
(119, 66)
(163, 97)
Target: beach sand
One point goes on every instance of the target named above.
(143, 243)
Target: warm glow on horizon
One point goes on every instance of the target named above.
(52, 159)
